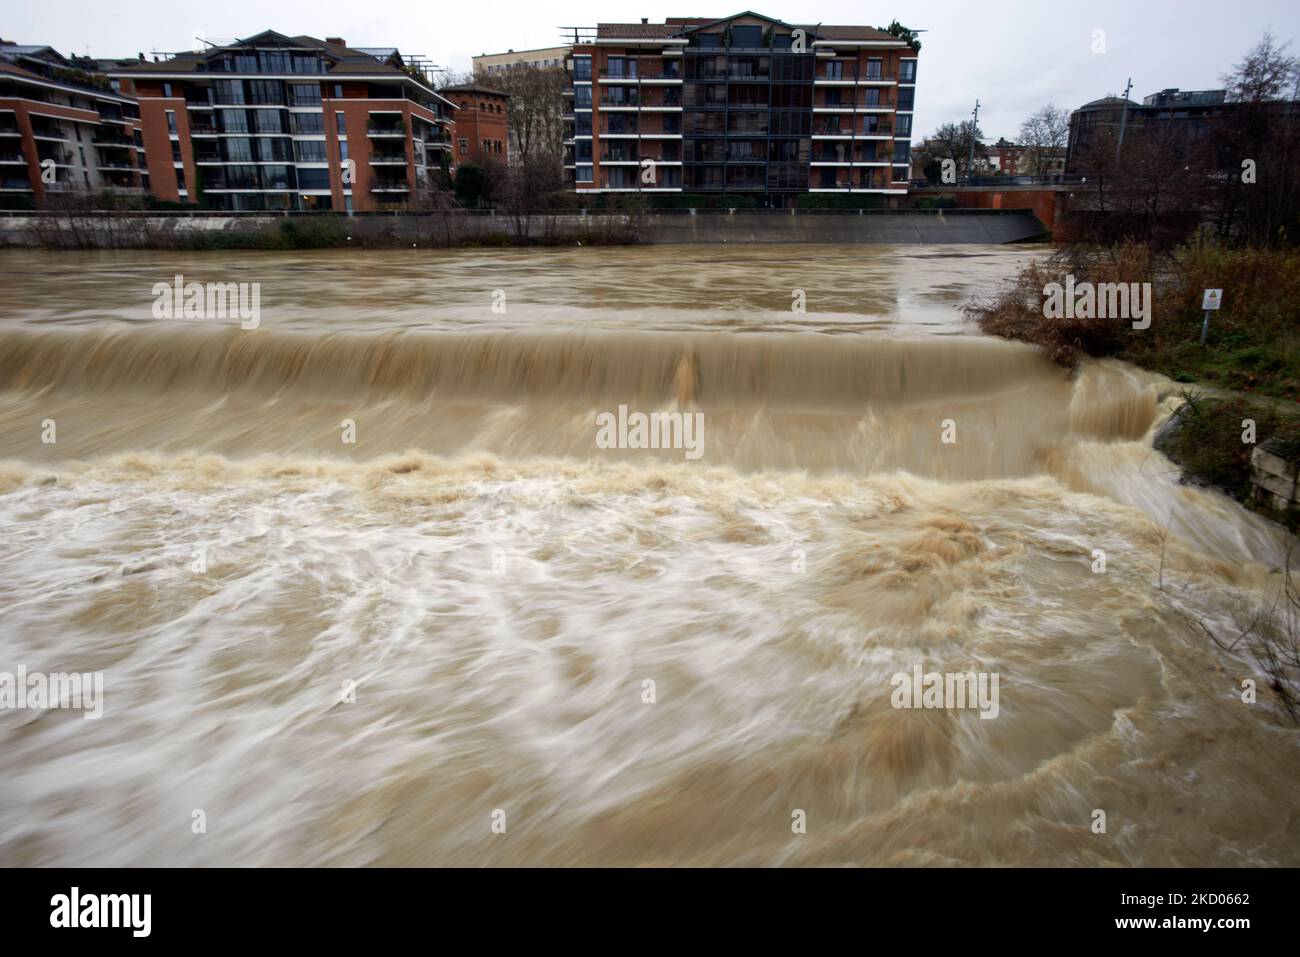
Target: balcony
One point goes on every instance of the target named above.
(388, 158)
(385, 130)
(51, 133)
(12, 159)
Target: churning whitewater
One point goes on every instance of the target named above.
(362, 581)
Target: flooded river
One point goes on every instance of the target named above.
(366, 585)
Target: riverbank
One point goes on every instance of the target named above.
(453, 229)
(1244, 382)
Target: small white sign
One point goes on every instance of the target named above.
(1213, 298)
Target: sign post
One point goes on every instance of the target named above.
(1210, 302)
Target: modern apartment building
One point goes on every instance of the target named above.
(278, 122)
(481, 114)
(63, 128)
(1182, 114)
(743, 104)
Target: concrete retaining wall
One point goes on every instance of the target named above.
(740, 226)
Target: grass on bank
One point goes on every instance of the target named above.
(1252, 353)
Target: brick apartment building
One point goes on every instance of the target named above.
(63, 127)
(744, 104)
(278, 122)
(481, 114)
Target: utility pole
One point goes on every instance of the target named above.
(1123, 121)
(970, 159)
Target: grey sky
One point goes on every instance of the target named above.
(1015, 55)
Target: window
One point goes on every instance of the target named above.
(167, 89)
(905, 99)
(180, 180)
(228, 91)
(276, 148)
(233, 121)
(171, 122)
(902, 152)
(464, 145)
(237, 150)
(340, 124)
(906, 71)
(275, 63)
(582, 97)
(338, 91)
(747, 37)
(582, 68)
(270, 92)
(307, 124)
(874, 71)
(277, 177)
(904, 125)
(309, 151)
(835, 70)
(268, 121)
(305, 64)
(313, 179)
(246, 63)
(583, 174)
(176, 151)
(304, 94)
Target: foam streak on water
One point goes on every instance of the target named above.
(499, 589)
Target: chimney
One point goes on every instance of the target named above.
(645, 19)
(337, 41)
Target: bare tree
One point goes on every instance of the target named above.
(535, 115)
(1267, 73)
(1044, 135)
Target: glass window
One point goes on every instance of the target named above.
(907, 71)
(582, 68)
(245, 62)
(905, 99)
(582, 97)
(277, 177)
(277, 62)
(748, 37)
(237, 149)
(340, 123)
(276, 148)
(304, 94)
(307, 123)
(904, 125)
(305, 64)
(266, 91)
(233, 121)
(228, 91)
(268, 121)
(902, 152)
(583, 174)
(313, 178)
(309, 151)
(171, 122)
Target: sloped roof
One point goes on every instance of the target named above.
(681, 26)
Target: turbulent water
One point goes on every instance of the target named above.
(471, 635)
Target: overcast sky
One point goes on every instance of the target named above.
(1014, 56)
